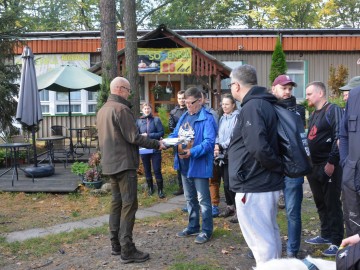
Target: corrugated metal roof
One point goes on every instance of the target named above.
(347, 39)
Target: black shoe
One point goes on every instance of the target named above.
(250, 255)
(150, 191)
(161, 194)
(135, 255)
(234, 219)
(180, 191)
(115, 250)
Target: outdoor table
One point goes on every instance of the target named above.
(50, 148)
(14, 154)
(79, 142)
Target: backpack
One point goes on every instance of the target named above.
(293, 144)
(348, 258)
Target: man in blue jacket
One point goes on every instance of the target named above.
(255, 166)
(197, 130)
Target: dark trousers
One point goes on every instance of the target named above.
(123, 206)
(229, 195)
(351, 196)
(155, 160)
(326, 192)
(179, 179)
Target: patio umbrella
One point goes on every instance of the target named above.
(29, 107)
(69, 79)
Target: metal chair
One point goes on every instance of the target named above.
(92, 135)
(60, 146)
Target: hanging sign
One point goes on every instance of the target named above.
(164, 61)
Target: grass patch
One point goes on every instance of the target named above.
(37, 247)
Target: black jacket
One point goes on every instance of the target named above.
(253, 151)
(290, 104)
(175, 115)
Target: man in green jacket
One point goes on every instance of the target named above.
(119, 142)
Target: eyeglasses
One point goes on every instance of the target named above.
(127, 89)
(191, 102)
(230, 84)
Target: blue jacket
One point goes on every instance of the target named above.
(202, 151)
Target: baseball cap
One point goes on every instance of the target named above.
(283, 80)
(354, 82)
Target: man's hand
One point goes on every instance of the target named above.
(352, 240)
(329, 169)
(162, 145)
(144, 134)
(186, 153)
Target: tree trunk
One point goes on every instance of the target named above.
(131, 56)
(108, 38)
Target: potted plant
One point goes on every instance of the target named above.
(89, 172)
(157, 90)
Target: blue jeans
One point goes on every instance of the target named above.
(197, 195)
(293, 194)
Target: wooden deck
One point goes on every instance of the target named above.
(62, 181)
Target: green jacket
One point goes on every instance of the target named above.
(119, 137)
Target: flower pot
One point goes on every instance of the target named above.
(95, 184)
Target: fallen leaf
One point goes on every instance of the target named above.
(224, 251)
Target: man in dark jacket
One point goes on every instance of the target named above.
(350, 160)
(293, 192)
(325, 178)
(119, 142)
(255, 166)
(174, 117)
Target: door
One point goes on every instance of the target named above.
(163, 99)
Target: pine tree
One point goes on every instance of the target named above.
(337, 79)
(278, 63)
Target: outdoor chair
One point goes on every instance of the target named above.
(90, 135)
(60, 148)
(23, 150)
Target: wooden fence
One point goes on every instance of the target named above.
(77, 121)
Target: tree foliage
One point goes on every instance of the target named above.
(278, 63)
(9, 72)
(337, 78)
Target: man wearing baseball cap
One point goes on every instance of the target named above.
(350, 157)
(293, 192)
(354, 82)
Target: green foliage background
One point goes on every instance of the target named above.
(278, 63)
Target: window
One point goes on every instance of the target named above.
(91, 108)
(64, 96)
(76, 108)
(226, 82)
(92, 95)
(44, 95)
(45, 109)
(296, 71)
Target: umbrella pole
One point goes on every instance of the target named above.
(71, 141)
(34, 145)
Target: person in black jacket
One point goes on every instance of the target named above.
(293, 192)
(151, 127)
(325, 178)
(255, 166)
(175, 115)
